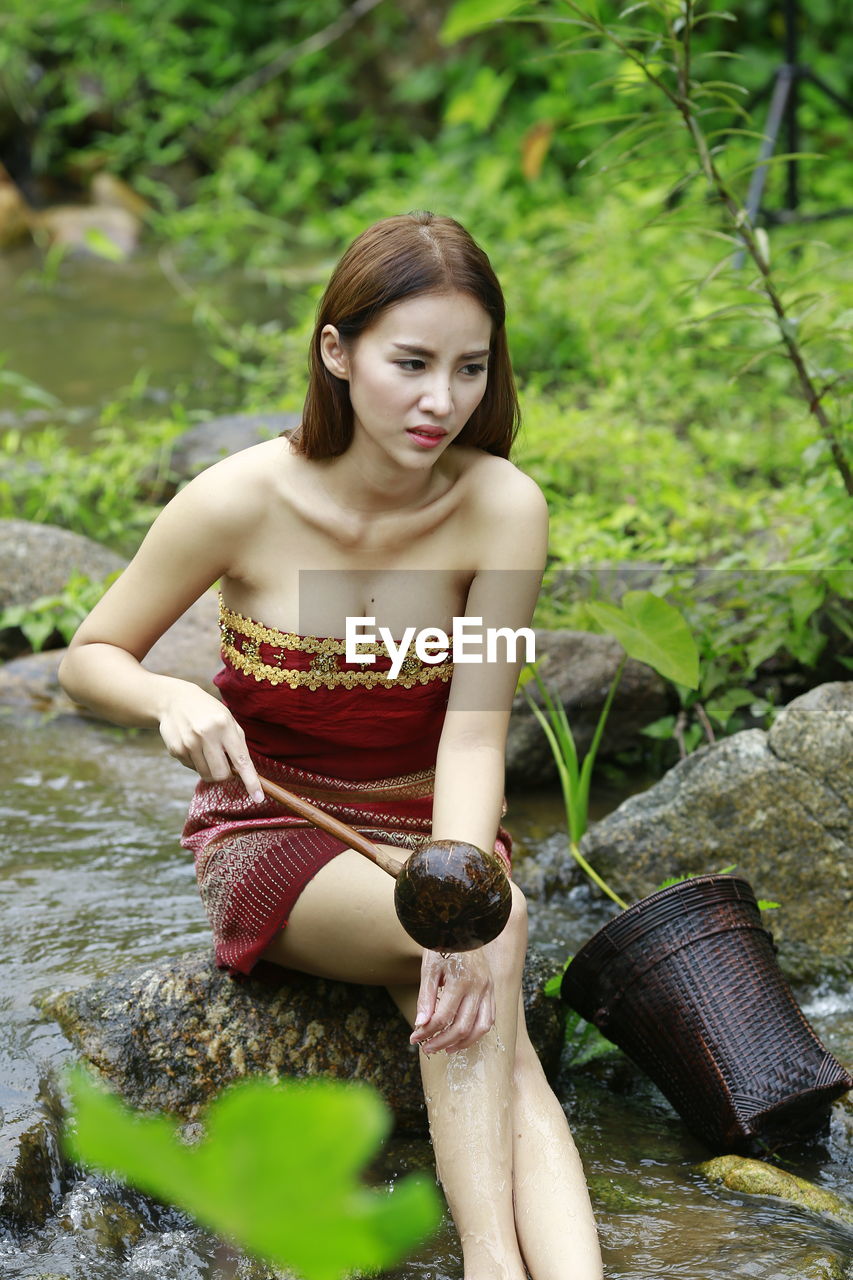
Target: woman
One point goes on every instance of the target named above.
(394, 501)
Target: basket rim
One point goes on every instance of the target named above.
(625, 918)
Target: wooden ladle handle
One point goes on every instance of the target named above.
(333, 826)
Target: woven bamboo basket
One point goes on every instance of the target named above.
(686, 983)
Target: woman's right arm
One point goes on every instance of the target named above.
(188, 548)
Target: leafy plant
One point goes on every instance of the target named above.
(108, 494)
(276, 1172)
(649, 630)
(666, 109)
(59, 614)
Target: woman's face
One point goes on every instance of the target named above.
(416, 375)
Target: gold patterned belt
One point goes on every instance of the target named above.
(243, 638)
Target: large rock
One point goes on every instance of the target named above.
(31, 683)
(578, 667)
(210, 441)
(777, 805)
(189, 650)
(101, 231)
(38, 560)
(169, 1036)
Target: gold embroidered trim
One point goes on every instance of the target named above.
(324, 671)
(412, 786)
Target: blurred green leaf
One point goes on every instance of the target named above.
(277, 1171)
(584, 1042)
(470, 15)
(99, 243)
(479, 102)
(722, 709)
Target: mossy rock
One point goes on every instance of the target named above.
(169, 1036)
(758, 1178)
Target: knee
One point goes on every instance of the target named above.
(513, 940)
(527, 1069)
(517, 923)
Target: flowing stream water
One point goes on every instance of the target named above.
(88, 333)
(92, 879)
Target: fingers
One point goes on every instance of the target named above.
(204, 736)
(427, 996)
(455, 1008)
(242, 765)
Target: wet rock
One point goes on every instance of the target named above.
(624, 1195)
(776, 805)
(815, 1265)
(170, 1036)
(758, 1178)
(578, 667)
(545, 1024)
(210, 441)
(31, 683)
(31, 1165)
(108, 191)
(109, 1222)
(38, 560)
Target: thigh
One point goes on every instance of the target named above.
(344, 926)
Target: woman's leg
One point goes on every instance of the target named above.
(469, 1101)
(503, 1149)
(344, 926)
(553, 1215)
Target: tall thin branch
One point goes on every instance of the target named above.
(682, 102)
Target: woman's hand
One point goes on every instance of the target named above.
(456, 1002)
(200, 732)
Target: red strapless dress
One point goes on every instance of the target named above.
(356, 743)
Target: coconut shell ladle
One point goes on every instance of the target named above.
(449, 895)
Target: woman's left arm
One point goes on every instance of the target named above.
(456, 999)
(469, 781)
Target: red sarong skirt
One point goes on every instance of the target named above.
(253, 860)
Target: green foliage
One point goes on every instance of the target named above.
(649, 630)
(468, 16)
(584, 1042)
(661, 436)
(57, 615)
(277, 1171)
(108, 494)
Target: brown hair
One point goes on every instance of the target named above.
(395, 259)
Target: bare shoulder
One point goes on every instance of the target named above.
(498, 491)
(197, 539)
(239, 486)
(505, 513)
(211, 518)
